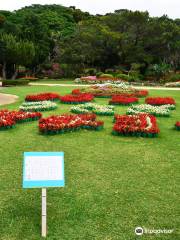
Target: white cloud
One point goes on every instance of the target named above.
(155, 7)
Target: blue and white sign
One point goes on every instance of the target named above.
(43, 169)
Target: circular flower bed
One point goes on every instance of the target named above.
(42, 97)
(68, 123)
(142, 125)
(157, 101)
(177, 126)
(77, 99)
(94, 108)
(38, 106)
(159, 111)
(123, 100)
(8, 119)
(108, 90)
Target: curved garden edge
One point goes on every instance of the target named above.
(87, 85)
(7, 98)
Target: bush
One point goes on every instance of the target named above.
(123, 76)
(175, 78)
(90, 71)
(17, 82)
(109, 71)
(106, 76)
(98, 74)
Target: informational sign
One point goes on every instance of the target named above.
(43, 169)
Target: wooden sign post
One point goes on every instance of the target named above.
(43, 170)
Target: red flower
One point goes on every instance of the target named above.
(10, 118)
(61, 123)
(120, 99)
(160, 100)
(42, 97)
(76, 99)
(135, 124)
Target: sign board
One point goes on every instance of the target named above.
(43, 169)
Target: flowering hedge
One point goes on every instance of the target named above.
(8, 119)
(142, 125)
(38, 106)
(159, 111)
(42, 97)
(94, 80)
(108, 90)
(77, 99)
(68, 123)
(94, 108)
(157, 101)
(177, 126)
(123, 100)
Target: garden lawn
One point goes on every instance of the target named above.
(113, 183)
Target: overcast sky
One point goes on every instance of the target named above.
(155, 7)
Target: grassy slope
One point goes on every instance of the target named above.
(113, 184)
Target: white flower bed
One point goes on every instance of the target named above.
(94, 108)
(38, 106)
(163, 110)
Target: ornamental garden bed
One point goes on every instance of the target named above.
(42, 97)
(38, 106)
(177, 126)
(77, 99)
(8, 119)
(157, 101)
(141, 125)
(94, 108)
(158, 111)
(123, 100)
(69, 123)
(108, 90)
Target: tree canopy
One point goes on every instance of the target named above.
(42, 34)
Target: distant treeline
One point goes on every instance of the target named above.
(38, 36)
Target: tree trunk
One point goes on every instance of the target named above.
(4, 71)
(15, 73)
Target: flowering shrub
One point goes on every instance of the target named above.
(42, 97)
(38, 106)
(8, 119)
(77, 99)
(160, 101)
(142, 125)
(122, 100)
(177, 126)
(108, 90)
(94, 108)
(68, 123)
(94, 79)
(158, 111)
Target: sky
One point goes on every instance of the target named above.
(154, 7)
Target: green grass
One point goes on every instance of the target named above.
(113, 184)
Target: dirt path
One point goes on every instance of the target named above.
(7, 98)
(81, 85)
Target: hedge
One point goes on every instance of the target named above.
(19, 82)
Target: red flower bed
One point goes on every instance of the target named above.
(177, 126)
(141, 93)
(143, 125)
(160, 101)
(42, 97)
(122, 100)
(137, 93)
(68, 123)
(77, 99)
(8, 119)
